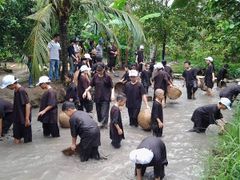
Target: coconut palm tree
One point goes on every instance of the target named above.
(54, 14)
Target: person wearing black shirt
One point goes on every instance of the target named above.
(112, 53)
(48, 112)
(209, 75)
(125, 77)
(222, 74)
(21, 110)
(230, 92)
(190, 78)
(6, 116)
(140, 58)
(71, 91)
(116, 127)
(71, 57)
(135, 93)
(146, 77)
(103, 94)
(86, 128)
(209, 114)
(168, 69)
(157, 114)
(159, 159)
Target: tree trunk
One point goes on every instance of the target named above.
(164, 45)
(63, 22)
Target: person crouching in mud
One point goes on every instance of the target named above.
(204, 116)
(83, 125)
(150, 152)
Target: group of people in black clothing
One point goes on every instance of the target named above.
(79, 103)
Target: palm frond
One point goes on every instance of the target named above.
(94, 8)
(36, 43)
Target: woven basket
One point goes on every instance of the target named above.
(144, 119)
(173, 92)
(64, 120)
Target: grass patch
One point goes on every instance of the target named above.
(224, 160)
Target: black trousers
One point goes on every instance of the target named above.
(50, 129)
(103, 112)
(7, 122)
(86, 104)
(91, 152)
(20, 131)
(133, 114)
(190, 90)
(116, 143)
(158, 170)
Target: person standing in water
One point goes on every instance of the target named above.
(209, 76)
(48, 112)
(21, 110)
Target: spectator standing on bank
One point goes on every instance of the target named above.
(99, 51)
(54, 49)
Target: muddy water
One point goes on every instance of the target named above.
(42, 159)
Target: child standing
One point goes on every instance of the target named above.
(21, 110)
(157, 113)
(116, 127)
(48, 113)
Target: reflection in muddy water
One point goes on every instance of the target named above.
(42, 159)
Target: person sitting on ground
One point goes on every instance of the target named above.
(222, 74)
(6, 116)
(82, 125)
(209, 114)
(21, 110)
(157, 114)
(190, 78)
(230, 92)
(150, 152)
(48, 112)
(116, 127)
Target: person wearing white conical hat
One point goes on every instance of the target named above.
(209, 75)
(21, 110)
(48, 112)
(209, 114)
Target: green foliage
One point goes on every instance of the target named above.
(14, 28)
(224, 161)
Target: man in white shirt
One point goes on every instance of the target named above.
(54, 48)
